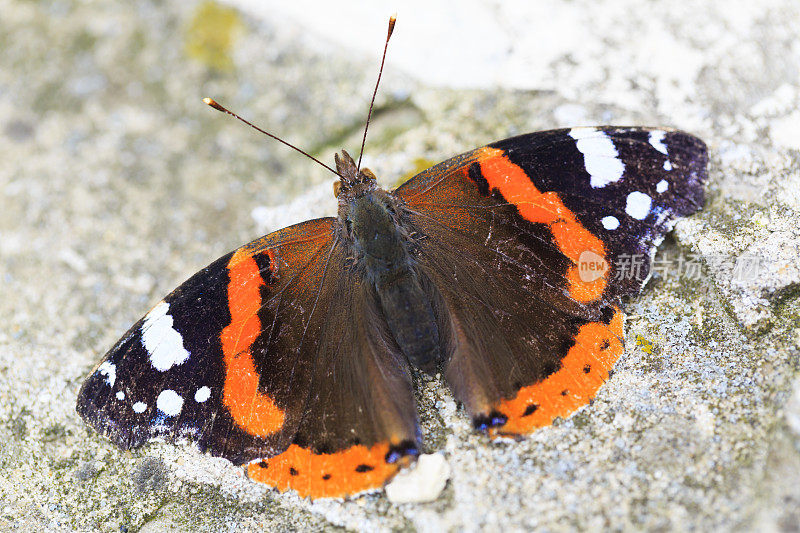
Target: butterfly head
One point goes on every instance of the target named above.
(367, 213)
(352, 181)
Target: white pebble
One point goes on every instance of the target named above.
(423, 483)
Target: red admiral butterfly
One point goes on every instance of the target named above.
(293, 353)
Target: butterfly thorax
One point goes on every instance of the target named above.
(372, 226)
(380, 244)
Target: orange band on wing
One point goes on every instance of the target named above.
(571, 237)
(584, 369)
(329, 475)
(250, 408)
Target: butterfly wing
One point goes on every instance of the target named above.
(255, 357)
(522, 246)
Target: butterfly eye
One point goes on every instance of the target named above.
(337, 187)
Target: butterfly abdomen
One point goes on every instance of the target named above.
(411, 321)
(381, 246)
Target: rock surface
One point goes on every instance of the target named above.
(116, 183)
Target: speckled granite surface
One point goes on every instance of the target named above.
(116, 183)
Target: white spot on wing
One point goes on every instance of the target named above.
(169, 402)
(202, 394)
(638, 205)
(667, 165)
(657, 140)
(139, 407)
(600, 157)
(610, 222)
(662, 186)
(120, 395)
(109, 370)
(162, 342)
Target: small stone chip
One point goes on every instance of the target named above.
(423, 483)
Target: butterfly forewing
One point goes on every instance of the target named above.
(187, 369)
(626, 185)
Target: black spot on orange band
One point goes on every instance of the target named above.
(530, 409)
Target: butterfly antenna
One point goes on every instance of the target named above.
(392, 20)
(213, 103)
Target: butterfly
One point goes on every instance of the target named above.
(504, 269)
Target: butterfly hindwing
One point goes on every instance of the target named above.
(246, 358)
(360, 419)
(531, 335)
